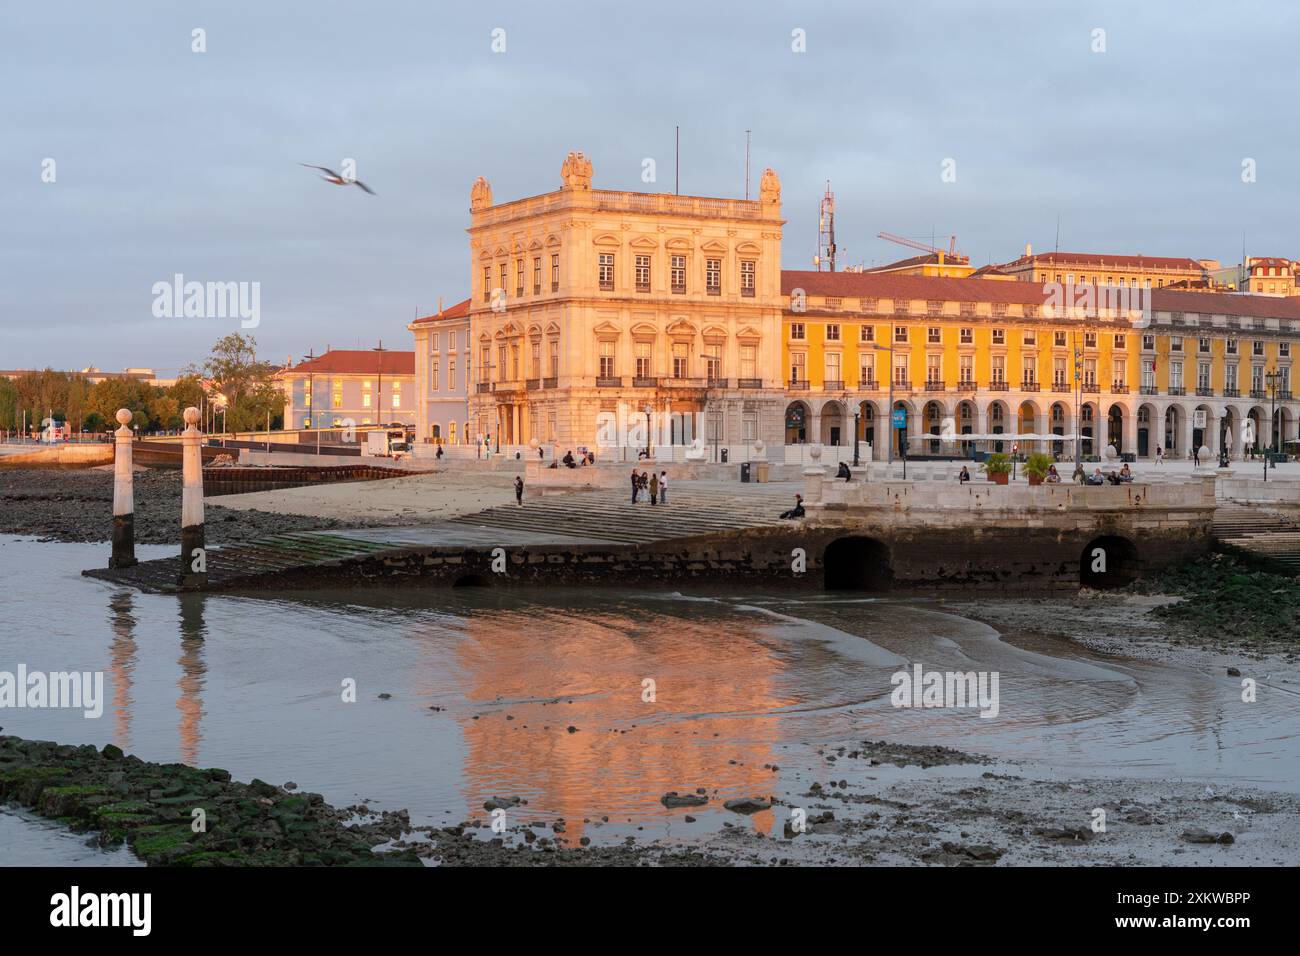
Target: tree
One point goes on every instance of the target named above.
(246, 383)
(114, 393)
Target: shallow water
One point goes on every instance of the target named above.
(254, 684)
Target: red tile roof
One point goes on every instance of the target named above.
(458, 311)
(360, 362)
(1102, 261)
(868, 285)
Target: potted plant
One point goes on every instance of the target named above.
(1036, 466)
(998, 467)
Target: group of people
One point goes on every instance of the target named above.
(1110, 477)
(654, 485)
(585, 458)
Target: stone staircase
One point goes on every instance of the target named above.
(1263, 532)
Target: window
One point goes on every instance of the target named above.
(966, 371)
(832, 332)
(679, 274)
(867, 333)
(999, 336)
(751, 426)
(868, 305)
(1030, 337)
(1058, 372)
(1284, 349)
(999, 309)
(1257, 378)
(749, 361)
(1230, 346)
(1058, 340)
(501, 364)
(1203, 376)
(966, 336)
(834, 372)
(934, 335)
(967, 308)
(1230, 378)
(433, 342)
(1203, 345)
(1120, 341)
(553, 359)
(1089, 371)
(484, 360)
(397, 395)
(934, 307)
(713, 276)
(867, 370)
(535, 360)
(999, 369)
(900, 368)
(902, 306)
(606, 271)
(606, 359)
(643, 360)
(642, 273)
(433, 375)
(1257, 347)
(1028, 372)
(1175, 343)
(713, 362)
(519, 278)
(900, 333)
(487, 283)
(451, 376)
(797, 331)
(336, 395)
(555, 272)
(502, 273)
(1089, 340)
(1149, 343)
(1175, 374)
(681, 354)
(747, 274)
(934, 369)
(537, 290)
(798, 368)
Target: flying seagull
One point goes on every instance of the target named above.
(337, 180)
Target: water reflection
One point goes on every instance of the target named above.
(193, 675)
(122, 661)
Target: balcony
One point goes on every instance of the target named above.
(747, 292)
(643, 287)
(1090, 388)
(509, 385)
(551, 382)
(1204, 391)
(902, 385)
(683, 382)
(1148, 390)
(1232, 393)
(934, 385)
(1118, 388)
(609, 381)
(532, 384)
(797, 385)
(1029, 386)
(998, 386)
(967, 384)
(679, 288)
(1257, 393)
(1061, 387)
(555, 287)
(644, 381)
(483, 387)
(749, 383)
(1177, 390)
(1284, 395)
(868, 385)
(714, 382)
(606, 285)
(833, 385)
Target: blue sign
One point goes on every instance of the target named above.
(900, 418)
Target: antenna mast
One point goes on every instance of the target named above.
(826, 232)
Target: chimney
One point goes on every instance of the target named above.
(1029, 250)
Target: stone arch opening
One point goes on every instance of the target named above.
(797, 415)
(857, 564)
(1109, 561)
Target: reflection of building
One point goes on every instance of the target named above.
(587, 298)
(442, 357)
(368, 386)
(999, 357)
(627, 752)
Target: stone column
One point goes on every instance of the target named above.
(193, 556)
(123, 555)
(813, 476)
(1186, 420)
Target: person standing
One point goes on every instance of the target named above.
(663, 487)
(1160, 456)
(636, 485)
(1196, 456)
(654, 489)
(519, 491)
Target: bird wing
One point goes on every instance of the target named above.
(323, 169)
(357, 182)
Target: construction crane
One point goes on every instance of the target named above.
(950, 252)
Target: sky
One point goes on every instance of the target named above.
(168, 160)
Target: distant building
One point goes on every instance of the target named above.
(1077, 268)
(365, 386)
(442, 362)
(95, 375)
(1260, 275)
(937, 263)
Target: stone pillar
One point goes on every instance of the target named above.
(813, 476)
(193, 556)
(1185, 423)
(123, 555)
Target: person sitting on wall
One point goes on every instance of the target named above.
(795, 512)
(844, 472)
(1096, 478)
(568, 460)
(963, 476)
(1053, 476)
(1113, 478)
(1125, 474)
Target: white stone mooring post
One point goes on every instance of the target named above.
(813, 476)
(194, 571)
(123, 555)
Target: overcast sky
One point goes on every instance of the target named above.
(170, 161)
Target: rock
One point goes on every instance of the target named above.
(385, 696)
(747, 805)
(112, 752)
(1233, 672)
(291, 786)
(572, 729)
(1201, 835)
(673, 799)
(501, 803)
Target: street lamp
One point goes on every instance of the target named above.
(889, 419)
(379, 399)
(648, 413)
(1272, 378)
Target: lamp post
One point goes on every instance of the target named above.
(1272, 378)
(648, 413)
(379, 398)
(1078, 402)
